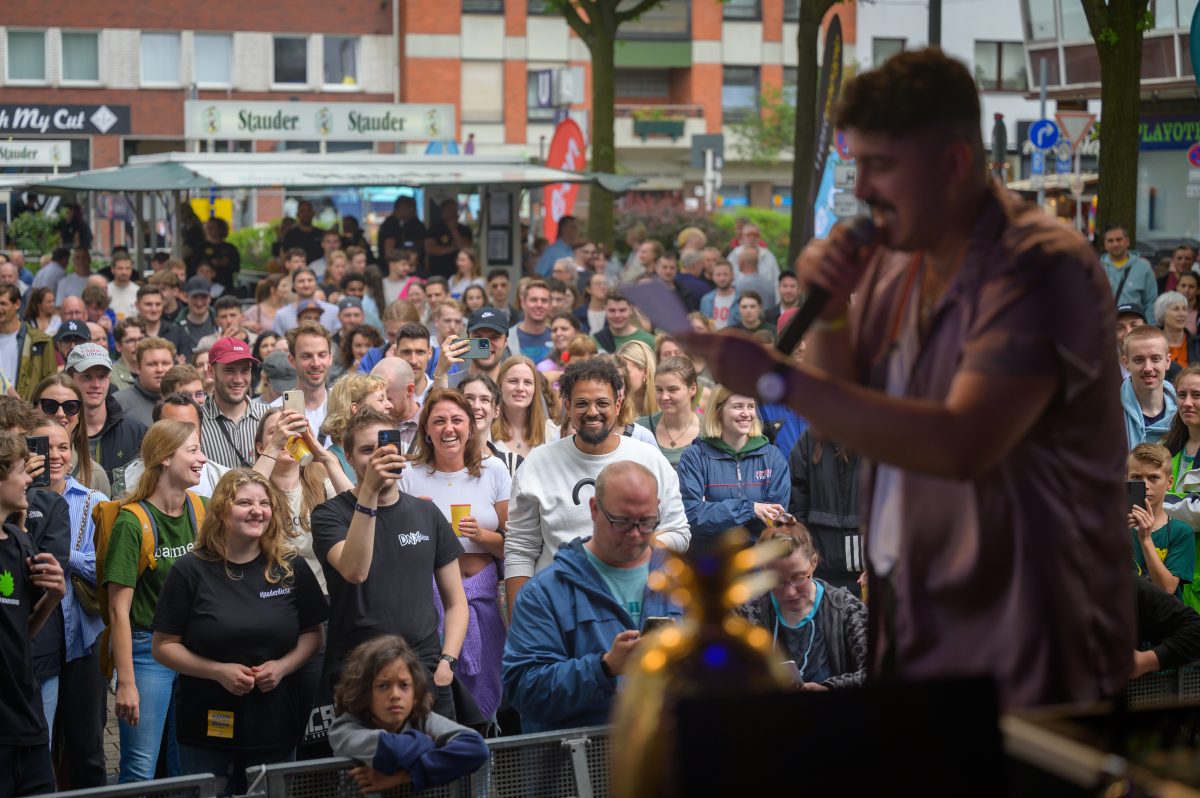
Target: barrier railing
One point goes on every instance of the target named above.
(567, 764)
(1165, 687)
(201, 786)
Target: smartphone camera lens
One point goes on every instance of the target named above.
(484, 343)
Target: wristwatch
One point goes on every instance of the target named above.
(452, 660)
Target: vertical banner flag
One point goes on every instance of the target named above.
(830, 86)
(567, 152)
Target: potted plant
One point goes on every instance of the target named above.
(657, 122)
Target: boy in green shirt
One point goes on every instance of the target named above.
(1164, 549)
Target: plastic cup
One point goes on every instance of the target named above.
(457, 513)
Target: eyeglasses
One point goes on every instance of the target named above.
(199, 396)
(583, 405)
(796, 582)
(50, 407)
(625, 525)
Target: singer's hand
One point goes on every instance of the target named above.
(837, 264)
(735, 360)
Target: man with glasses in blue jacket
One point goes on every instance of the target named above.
(578, 622)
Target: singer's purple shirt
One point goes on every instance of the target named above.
(1024, 572)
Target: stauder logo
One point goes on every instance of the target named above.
(365, 123)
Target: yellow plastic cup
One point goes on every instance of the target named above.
(457, 513)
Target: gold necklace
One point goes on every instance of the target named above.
(671, 441)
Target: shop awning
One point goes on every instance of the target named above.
(1055, 182)
(294, 171)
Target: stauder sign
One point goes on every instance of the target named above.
(343, 121)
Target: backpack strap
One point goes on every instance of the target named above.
(628, 433)
(141, 511)
(195, 509)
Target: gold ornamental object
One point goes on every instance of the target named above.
(711, 652)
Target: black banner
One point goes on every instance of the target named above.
(50, 119)
(830, 85)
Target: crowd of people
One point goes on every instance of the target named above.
(399, 504)
(242, 571)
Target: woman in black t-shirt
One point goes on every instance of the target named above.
(236, 618)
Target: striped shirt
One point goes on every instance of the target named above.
(82, 629)
(227, 442)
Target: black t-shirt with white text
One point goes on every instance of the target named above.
(243, 619)
(412, 540)
(22, 721)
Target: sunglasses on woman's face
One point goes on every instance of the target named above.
(50, 406)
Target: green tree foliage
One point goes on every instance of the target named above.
(1117, 27)
(596, 23)
(764, 138)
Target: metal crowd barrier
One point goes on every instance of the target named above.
(1165, 687)
(201, 786)
(568, 764)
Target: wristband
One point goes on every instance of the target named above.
(833, 325)
(269, 456)
(367, 511)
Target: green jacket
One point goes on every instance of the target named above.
(35, 359)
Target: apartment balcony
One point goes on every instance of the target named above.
(658, 127)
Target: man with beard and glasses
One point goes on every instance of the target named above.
(543, 514)
(230, 416)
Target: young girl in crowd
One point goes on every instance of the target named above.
(237, 617)
(473, 298)
(58, 398)
(452, 470)
(522, 423)
(384, 719)
(145, 688)
(676, 425)
(468, 272)
(732, 476)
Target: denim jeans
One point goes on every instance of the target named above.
(229, 766)
(50, 702)
(156, 711)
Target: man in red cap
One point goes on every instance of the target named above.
(231, 417)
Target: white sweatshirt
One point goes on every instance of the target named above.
(542, 516)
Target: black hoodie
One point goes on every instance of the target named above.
(119, 441)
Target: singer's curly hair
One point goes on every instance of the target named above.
(913, 91)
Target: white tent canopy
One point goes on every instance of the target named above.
(298, 170)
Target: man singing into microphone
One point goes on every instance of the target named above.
(975, 371)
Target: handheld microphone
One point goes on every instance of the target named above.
(864, 233)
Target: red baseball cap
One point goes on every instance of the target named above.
(230, 350)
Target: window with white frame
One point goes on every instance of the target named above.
(341, 61)
(534, 111)
(27, 55)
(81, 56)
(290, 60)
(482, 91)
(160, 58)
(212, 59)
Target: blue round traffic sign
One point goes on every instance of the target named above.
(1043, 134)
(1194, 155)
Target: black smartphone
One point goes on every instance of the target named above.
(1137, 493)
(656, 622)
(391, 437)
(480, 348)
(40, 444)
